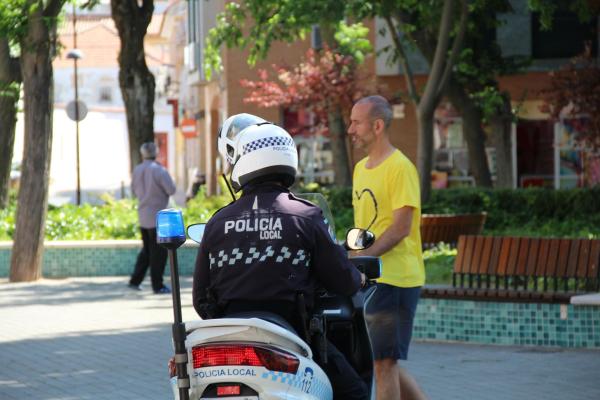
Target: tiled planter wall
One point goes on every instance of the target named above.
(533, 324)
(99, 258)
(437, 319)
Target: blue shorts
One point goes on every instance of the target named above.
(390, 314)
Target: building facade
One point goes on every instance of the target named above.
(544, 151)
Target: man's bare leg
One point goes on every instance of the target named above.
(408, 386)
(394, 382)
(387, 382)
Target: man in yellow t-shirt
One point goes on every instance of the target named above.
(386, 200)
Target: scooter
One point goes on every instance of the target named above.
(260, 356)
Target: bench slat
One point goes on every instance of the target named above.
(477, 250)
(469, 246)
(512, 259)
(495, 257)
(524, 249)
(504, 255)
(486, 255)
(544, 256)
(563, 258)
(584, 259)
(574, 255)
(552, 263)
(594, 259)
(460, 254)
(534, 249)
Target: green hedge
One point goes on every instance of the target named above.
(115, 219)
(530, 212)
(526, 212)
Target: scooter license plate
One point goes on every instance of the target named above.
(231, 398)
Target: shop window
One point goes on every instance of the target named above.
(105, 95)
(579, 166)
(451, 167)
(315, 159)
(535, 153)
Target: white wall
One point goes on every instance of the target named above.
(103, 152)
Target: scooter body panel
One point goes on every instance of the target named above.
(244, 329)
(309, 382)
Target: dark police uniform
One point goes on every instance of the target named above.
(260, 251)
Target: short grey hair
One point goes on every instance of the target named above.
(380, 109)
(148, 151)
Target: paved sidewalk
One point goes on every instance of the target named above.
(93, 338)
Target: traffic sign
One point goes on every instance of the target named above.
(71, 110)
(188, 128)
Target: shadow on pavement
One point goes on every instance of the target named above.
(94, 365)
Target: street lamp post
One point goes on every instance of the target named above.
(75, 54)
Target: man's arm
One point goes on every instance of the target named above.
(400, 228)
(134, 182)
(167, 183)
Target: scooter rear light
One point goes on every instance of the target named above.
(239, 354)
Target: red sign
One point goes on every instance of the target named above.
(188, 128)
(161, 140)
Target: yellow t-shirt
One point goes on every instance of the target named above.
(376, 193)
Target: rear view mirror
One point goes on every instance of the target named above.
(359, 239)
(196, 232)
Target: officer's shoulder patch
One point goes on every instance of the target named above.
(222, 209)
(301, 200)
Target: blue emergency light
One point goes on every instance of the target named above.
(170, 231)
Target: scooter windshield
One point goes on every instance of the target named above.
(319, 200)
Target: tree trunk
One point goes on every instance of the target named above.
(425, 150)
(36, 65)
(10, 79)
(135, 79)
(337, 136)
(335, 123)
(473, 133)
(501, 124)
(441, 62)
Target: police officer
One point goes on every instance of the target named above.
(260, 251)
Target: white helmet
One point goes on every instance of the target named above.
(257, 148)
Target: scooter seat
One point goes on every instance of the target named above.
(265, 316)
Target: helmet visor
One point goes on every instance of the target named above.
(239, 123)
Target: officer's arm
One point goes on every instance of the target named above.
(394, 234)
(331, 265)
(201, 282)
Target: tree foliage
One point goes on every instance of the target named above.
(315, 84)
(256, 24)
(574, 90)
(323, 81)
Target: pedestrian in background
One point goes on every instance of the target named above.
(152, 185)
(386, 200)
(198, 181)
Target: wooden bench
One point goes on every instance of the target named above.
(436, 228)
(522, 269)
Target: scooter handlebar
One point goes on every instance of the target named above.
(368, 265)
